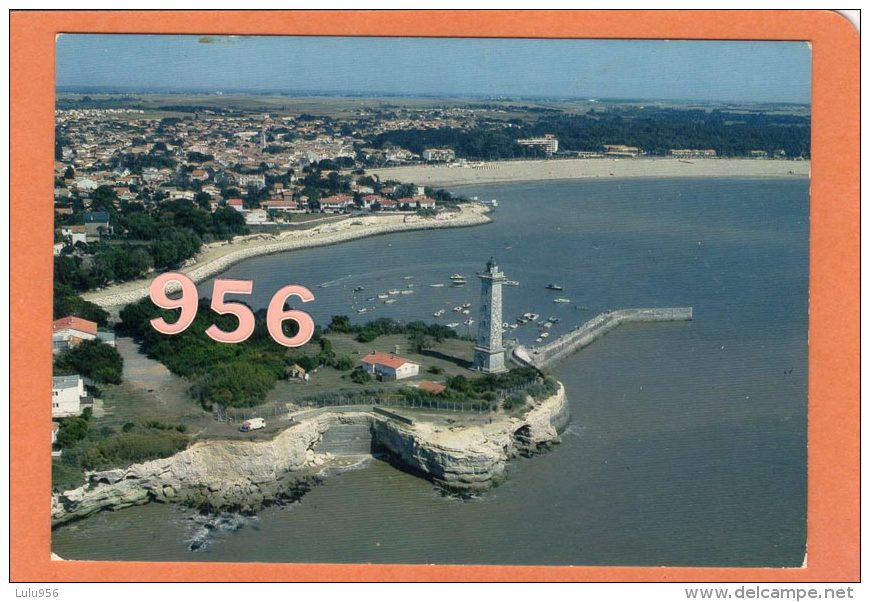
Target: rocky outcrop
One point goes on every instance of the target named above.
(213, 474)
(471, 458)
(243, 475)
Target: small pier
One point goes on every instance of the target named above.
(544, 355)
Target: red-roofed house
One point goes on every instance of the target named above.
(336, 202)
(68, 332)
(388, 366)
(369, 199)
(281, 205)
(236, 204)
(423, 202)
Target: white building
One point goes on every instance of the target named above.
(256, 216)
(66, 395)
(548, 143)
(256, 180)
(388, 366)
(439, 154)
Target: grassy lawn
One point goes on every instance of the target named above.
(453, 356)
(150, 392)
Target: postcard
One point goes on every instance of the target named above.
(403, 300)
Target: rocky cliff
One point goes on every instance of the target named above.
(473, 457)
(243, 475)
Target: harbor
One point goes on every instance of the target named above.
(691, 422)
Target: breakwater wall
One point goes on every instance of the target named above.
(353, 228)
(587, 333)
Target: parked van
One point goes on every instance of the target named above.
(252, 425)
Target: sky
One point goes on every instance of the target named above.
(737, 71)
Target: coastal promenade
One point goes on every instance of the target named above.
(217, 257)
(573, 169)
(587, 333)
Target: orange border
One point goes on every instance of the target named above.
(834, 428)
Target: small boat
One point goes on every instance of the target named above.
(561, 300)
(407, 291)
(538, 340)
(439, 313)
(361, 311)
(554, 287)
(453, 325)
(468, 322)
(522, 321)
(505, 325)
(466, 311)
(547, 325)
(544, 335)
(439, 285)
(466, 305)
(511, 283)
(383, 296)
(553, 320)
(359, 288)
(512, 326)
(408, 278)
(394, 291)
(534, 317)
(388, 301)
(457, 309)
(457, 278)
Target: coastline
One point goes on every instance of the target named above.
(216, 257)
(220, 474)
(572, 169)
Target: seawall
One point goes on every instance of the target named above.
(238, 474)
(587, 333)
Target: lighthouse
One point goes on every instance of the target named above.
(489, 351)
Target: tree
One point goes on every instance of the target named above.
(93, 359)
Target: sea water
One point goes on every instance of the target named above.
(687, 442)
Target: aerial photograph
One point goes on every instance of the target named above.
(471, 301)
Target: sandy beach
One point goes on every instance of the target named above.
(569, 169)
(217, 257)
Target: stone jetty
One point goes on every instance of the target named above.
(587, 333)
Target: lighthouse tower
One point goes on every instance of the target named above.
(489, 351)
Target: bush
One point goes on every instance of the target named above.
(93, 359)
(360, 376)
(517, 400)
(132, 447)
(71, 431)
(343, 363)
